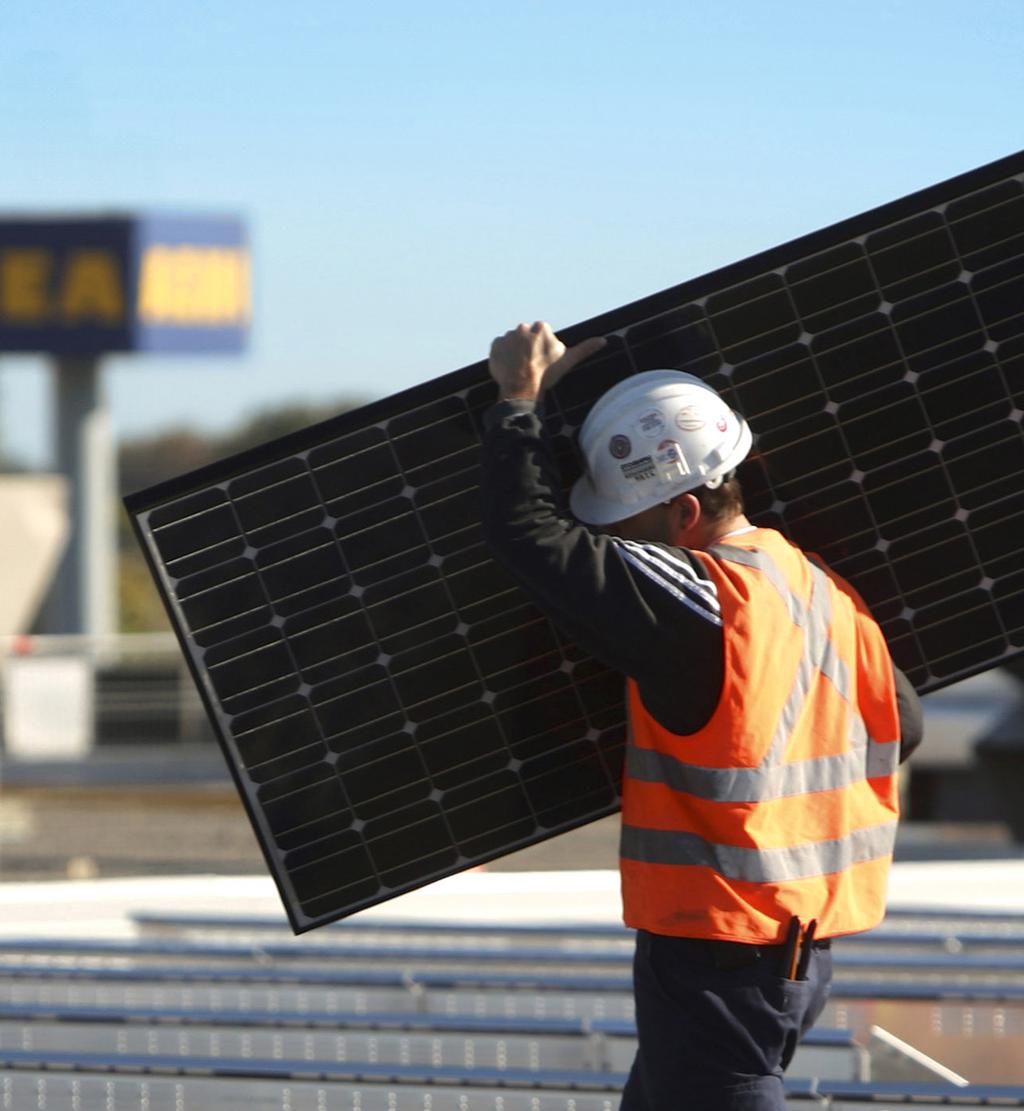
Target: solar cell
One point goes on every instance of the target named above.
(392, 707)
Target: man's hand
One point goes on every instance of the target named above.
(531, 359)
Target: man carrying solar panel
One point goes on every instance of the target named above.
(766, 718)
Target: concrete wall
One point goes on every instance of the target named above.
(33, 533)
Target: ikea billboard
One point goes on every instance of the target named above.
(86, 285)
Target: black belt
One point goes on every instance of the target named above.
(726, 955)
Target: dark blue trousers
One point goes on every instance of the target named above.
(713, 1038)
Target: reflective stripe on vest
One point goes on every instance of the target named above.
(865, 759)
(817, 858)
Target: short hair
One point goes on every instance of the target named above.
(721, 503)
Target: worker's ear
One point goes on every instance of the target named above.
(685, 512)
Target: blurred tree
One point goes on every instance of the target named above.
(140, 606)
(144, 461)
(271, 424)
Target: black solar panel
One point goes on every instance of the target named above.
(391, 706)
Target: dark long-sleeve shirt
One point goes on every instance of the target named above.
(645, 609)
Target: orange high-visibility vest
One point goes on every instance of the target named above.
(786, 801)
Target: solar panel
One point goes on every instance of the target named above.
(392, 707)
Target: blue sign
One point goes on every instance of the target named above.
(81, 286)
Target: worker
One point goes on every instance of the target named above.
(766, 719)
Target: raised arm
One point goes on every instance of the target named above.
(644, 609)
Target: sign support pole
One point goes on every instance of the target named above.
(83, 598)
(77, 286)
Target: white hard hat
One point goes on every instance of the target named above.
(651, 437)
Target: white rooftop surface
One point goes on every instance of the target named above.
(103, 908)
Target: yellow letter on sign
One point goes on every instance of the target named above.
(23, 275)
(194, 286)
(92, 288)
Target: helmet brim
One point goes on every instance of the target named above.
(589, 507)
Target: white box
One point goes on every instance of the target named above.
(48, 707)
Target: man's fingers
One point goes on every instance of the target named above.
(572, 358)
(583, 350)
(534, 351)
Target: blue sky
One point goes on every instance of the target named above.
(420, 176)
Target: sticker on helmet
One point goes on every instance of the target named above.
(689, 419)
(668, 452)
(721, 424)
(619, 446)
(650, 424)
(669, 461)
(639, 470)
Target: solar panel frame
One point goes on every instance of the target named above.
(907, 479)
